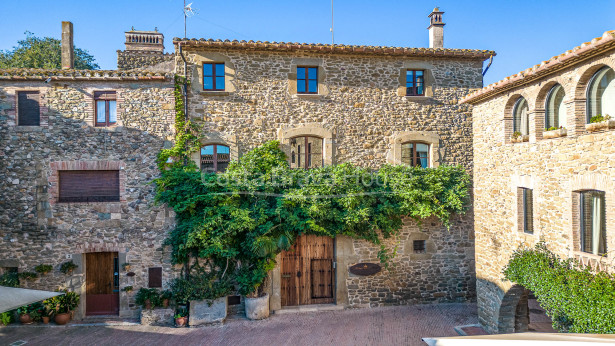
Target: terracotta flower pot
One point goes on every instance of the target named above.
(62, 319)
(46, 319)
(25, 319)
(181, 321)
(165, 303)
(148, 304)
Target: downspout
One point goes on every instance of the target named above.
(185, 91)
(486, 69)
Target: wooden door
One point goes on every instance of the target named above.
(102, 281)
(307, 272)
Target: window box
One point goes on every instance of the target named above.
(520, 139)
(603, 125)
(555, 133)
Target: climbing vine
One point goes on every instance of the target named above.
(576, 299)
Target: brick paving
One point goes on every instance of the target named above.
(400, 325)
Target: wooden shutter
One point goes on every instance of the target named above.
(89, 186)
(28, 108)
(155, 277)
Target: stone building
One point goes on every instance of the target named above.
(78, 153)
(544, 170)
(329, 104)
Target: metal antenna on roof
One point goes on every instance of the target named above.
(188, 12)
(331, 29)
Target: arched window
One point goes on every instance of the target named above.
(521, 121)
(601, 94)
(215, 158)
(555, 114)
(306, 152)
(415, 154)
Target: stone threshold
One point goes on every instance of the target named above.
(309, 308)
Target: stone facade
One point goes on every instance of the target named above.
(127, 59)
(554, 168)
(35, 228)
(363, 115)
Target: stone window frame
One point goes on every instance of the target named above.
(427, 137)
(428, 80)
(430, 246)
(309, 129)
(12, 113)
(323, 89)
(56, 166)
(198, 58)
(214, 138)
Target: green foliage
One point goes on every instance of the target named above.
(181, 312)
(68, 267)
(9, 280)
(127, 289)
(576, 299)
(35, 310)
(166, 294)
(43, 268)
(516, 134)
(257, 208)
(64, 303)
(28, 275)
(201, 286)
(46, 52)
(6, 317)
(552, 128)
(599, 118)
(143, 294)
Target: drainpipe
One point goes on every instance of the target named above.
(490, 62)
(181, 53)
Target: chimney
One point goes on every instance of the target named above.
(436, 29)
(68, 52)
(145, 41)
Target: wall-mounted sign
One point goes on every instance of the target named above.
(365, 269)
(130, 274)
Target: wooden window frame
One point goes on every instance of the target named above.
(581, 215)
(214, 156)
(526, 212)
(213, 75)
(413, 90)
(19, 110)
(307, 160)
(415, 159)
(88, 199)
(106, 99)
(307, 80)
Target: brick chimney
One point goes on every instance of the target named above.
(436, 29)
(144, 41)
(68, 52)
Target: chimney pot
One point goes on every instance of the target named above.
(68, 51)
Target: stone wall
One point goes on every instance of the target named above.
(553, 168)
(36, 229)
(127, 60)
(362, 117)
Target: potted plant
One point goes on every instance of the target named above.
(181, 317)
(64, 305)
(28, 275)
(251, 279)
(68, 267)
(600, 122)
(126, 266)
(148, 298)
(554, 132)
(25, 316)
(166, 295)
(127, 289)
(43, 269)
(517, 137)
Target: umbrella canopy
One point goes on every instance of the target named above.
(525, 339)
(12, 298)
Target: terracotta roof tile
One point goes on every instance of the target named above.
(56, 74)
(568, 58)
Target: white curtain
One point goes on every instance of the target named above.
(596, 223)
(100, 112)
(524, 121)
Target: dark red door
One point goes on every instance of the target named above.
(102, 281)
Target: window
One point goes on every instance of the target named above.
(28, 108)
(601, 94)
(106, 112)
(89, 186)
(415, 154)
(213, 76)
(155, 277)
(592, 222)
(415, 83)
(419, 246)
(525, 210)
(555, 115)
(521, 120)
(215, 158)
(306, 152)
(307, 80)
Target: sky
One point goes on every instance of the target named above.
(523, 33)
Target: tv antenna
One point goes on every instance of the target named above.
(331, 29)
(189, 11)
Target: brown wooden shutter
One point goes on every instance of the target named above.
(155, 277)
(89, 186)
(529, 211)
(28, 107)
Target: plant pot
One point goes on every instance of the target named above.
(148, 304)
(127, 268)
(165, 303)
(25, 319)
(257, 308)
(554, 133)
(181, 322)
(62, 319)
(603, 125)
(520, 139)
(46, 319)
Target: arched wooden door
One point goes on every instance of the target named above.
(307, 272)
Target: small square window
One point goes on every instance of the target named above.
(28, 108)
(106, 108)
(213, 77)
(415, 83)
(307, 80)
(419, 246)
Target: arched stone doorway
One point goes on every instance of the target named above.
(520, 312)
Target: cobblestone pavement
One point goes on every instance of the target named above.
(400, 325)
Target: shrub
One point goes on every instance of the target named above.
(599, 118)
(148, 293)
(68, 267)
(28, 275)
(200, 286)
(43, 268)
(64, 303)
(576, 299)
(9, 280)
(6, 317)
(552, 128)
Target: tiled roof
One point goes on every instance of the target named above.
(335, 48)
(77, 75)
(556, 63)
